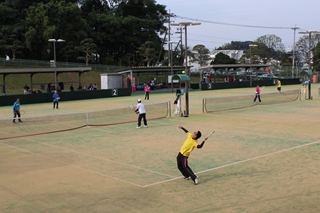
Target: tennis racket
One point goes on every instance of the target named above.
(262, 88)
(22, 112)
(211, 133)
(133, 108)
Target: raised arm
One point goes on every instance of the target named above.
(201, 145)
(180, 127)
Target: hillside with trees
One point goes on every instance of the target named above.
(117, 29)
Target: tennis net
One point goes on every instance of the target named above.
(215, 104)
(66, 122)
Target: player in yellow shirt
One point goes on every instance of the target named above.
(279, 86)
(188, 146)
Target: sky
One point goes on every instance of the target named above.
(220, 20)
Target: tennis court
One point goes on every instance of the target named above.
(262, 158)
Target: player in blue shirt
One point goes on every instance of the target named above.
(56, 98)
(16, 110)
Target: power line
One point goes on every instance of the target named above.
(229, 24)
(212, 36)
(232, 39)
(235, 25)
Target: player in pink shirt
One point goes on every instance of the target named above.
(257, 94)
(147, 91)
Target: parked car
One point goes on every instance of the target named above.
(269, 76)
(241, 73)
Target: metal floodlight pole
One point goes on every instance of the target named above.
(309, 33)
(294, 47)
(309, 57)
(251, 45)
(171, 66)
(55, 60)
(171, 62)
(185, 24)
(186, 84)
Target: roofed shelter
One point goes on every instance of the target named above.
(230, 66)
(306, 72)
(149, 70)
(181, 77)
(33, 71)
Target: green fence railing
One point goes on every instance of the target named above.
(25, 63)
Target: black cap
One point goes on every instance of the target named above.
(199, 135)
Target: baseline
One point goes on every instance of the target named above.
(235, 163)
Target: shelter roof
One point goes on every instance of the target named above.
(219, 66)
(309, 72)
(45, 70)
(181, 77)
(143, 69)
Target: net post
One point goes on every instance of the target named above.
(87, 119)
(300, 92)
(169, 108)
(202, 105)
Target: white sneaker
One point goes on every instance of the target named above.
(196, 181)
(138, 127)
(145, 126)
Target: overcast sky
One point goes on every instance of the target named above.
(262, 17)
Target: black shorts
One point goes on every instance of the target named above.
(279, 88)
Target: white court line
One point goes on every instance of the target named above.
(231, 164)
(79, 167)
(104, 159)
(156, 183)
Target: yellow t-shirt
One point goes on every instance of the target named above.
(279, 84)
(188, 145)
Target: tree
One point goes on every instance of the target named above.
(271, 48)
(222, 58)
(316, 57)
(200, 54)
(14, 45)
(112, 4)
(56, 19)
(107, 34)
(235, 45)
(88, 47)
(178, 54)
(118, 27)
(141, 20)
(148, 53)
(261, 54)
(302, 47)
(11, 30)
(69, 51)
(272, 42)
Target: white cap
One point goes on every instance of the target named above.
(139, 100)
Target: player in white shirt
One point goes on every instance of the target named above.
(142, 114)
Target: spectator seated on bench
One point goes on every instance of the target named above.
(26, 89)
(36, 91)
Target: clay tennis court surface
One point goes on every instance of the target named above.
(261, 159)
